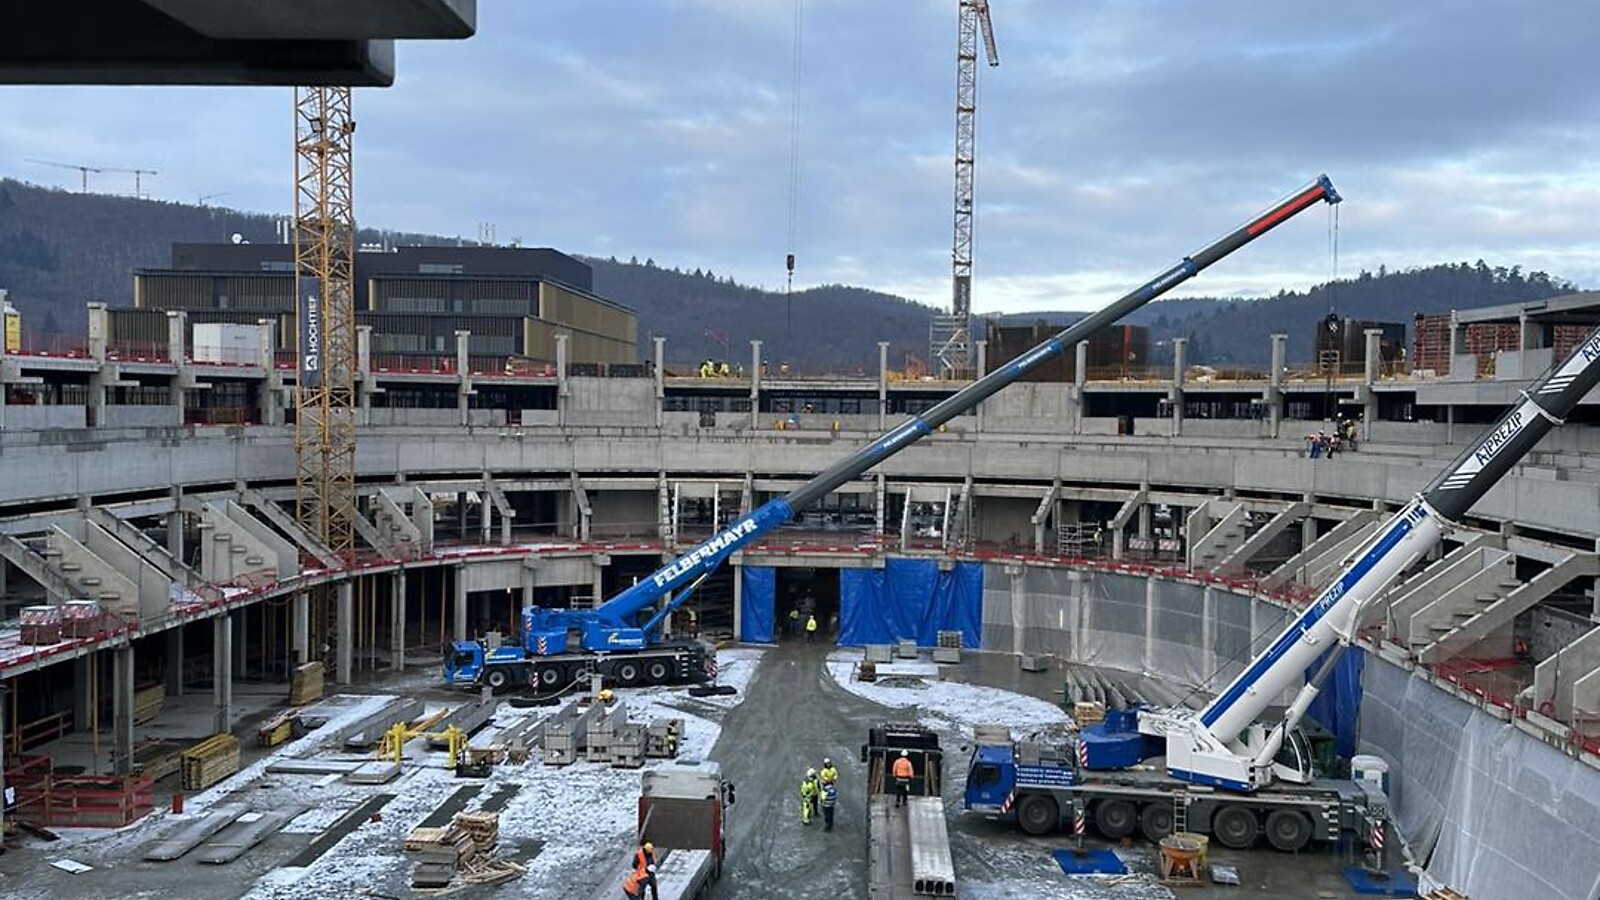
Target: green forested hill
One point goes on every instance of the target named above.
(59, 250)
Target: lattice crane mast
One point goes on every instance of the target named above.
(952, 334)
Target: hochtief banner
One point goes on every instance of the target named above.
(310, 312)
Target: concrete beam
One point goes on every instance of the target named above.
(1408, 597)
(274, 513)
(56, 587)
(1041, 516)
(1499, 613)
(91, 576)
(1219, 541)
(396, 526)
(1563, 683)
(1485, 570)
(1313, 557)
(237, 543)
(580, 499)
(1264, 536)
(502, 504)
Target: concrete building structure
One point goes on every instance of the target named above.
(484, 492)
(512, 302)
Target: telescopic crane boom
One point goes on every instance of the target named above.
(1222, 745)
(610, 626)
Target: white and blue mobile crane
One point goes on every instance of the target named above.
(1235, 776)
(621, 639)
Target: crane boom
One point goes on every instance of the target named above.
(1205, 747)
(607, 626)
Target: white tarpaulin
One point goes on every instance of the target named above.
(1492, 811)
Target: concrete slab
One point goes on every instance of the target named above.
(193, 833)
(236, 840)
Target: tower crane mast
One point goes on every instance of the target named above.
(952, 334)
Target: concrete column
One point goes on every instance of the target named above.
(1150, 590)
(1080, 380)
(1374, 370)
(1208, 612)
(486, 520)
(461, 632)
(755, 384)
(562, 347)
(397, 621)
(1455, 344)
(99, 331)
(883, 385)
(270, 397)
(5, 702)
(82, 674)
(365, 384)
(597, 586)
(178, 353)
(1308, 525)
(979, 372)
(344, 621)
(175, 525)
(1180, 354)
(464, 375)
(300, 628)
(1526, 332)
(1450, 423)
(241, 645)
(661, 379)
(738, 605)
(122, 710)
(222, 674)
(1280, 353)
(174, 667)
(1144, 514)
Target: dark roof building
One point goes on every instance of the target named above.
(513, 301)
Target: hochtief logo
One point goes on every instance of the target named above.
(712, 548)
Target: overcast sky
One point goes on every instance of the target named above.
(1115, 136)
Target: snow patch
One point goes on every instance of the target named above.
(953, 704)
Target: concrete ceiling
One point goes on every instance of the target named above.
(218, 42)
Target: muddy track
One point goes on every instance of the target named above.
(792, 716)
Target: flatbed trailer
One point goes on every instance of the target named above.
(908, 845)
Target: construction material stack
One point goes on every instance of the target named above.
(81, 618)
(464, 848)
(908, 849)
(147, 703)
(683, 812)
(306, 685)
(41, 625)
(210, 761)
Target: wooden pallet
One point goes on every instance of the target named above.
(1444, 893)
(277, 729)
(147, 703)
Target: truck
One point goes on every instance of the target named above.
(1224, 770)
(623, 635)
(683, 810)
(908, 848)
(531, 663)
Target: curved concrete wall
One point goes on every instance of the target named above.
(60, 465)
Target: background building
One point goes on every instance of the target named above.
(513, 301)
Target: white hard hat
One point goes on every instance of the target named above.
(810, 772)
(826, 761)
(905, 752)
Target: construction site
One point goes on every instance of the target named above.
(330, 574)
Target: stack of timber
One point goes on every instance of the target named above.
(156, 760)
(463, 848)
(1088, 712)
(147, 703)
(277, 729)
(210, 761)
(306, 686)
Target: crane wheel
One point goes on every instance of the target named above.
(1038, 814)
(627, 673)
(1155, 822)
(657, 671)
(1115, 819)
(550, 677)
(1288, 830)
(496, 679)
(1235, 827)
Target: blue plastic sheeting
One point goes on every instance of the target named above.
(1338, 707)
(756, 605)
(1089, 862)
(910, 599)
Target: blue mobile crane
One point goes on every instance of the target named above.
(621, 640)
(1235, 776)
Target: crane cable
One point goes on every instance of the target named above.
(794, 163)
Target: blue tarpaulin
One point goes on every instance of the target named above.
(756, 603)
(910, 599)
(1338, 706)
